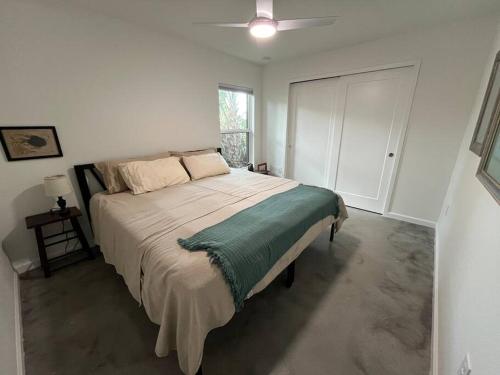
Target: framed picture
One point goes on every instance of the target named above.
(30, 142)
(489, 167)
(487, 109)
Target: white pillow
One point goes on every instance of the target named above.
(144, 176)
(206, 165)
(111, 174)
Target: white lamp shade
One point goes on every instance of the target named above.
(57, 186)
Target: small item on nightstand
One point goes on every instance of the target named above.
(57, 186)
(262, 168)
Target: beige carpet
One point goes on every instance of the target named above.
(359, 306)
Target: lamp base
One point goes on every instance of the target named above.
(61, 208)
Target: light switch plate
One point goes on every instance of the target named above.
(464, 368)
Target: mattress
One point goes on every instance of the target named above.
(181, 290)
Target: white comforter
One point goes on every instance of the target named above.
(180, 290)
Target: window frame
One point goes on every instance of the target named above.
(490, 182)
(477, 145)
(250, 116)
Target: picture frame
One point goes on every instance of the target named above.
(489, 167)
(487, 112)
(30, 142)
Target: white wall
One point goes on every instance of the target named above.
(451, 58)
(8, 312)
(468, 259)
(110, 88)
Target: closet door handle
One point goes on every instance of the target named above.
(391, 154)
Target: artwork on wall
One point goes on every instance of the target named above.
(489, 167)
(30, 142)
(487, 112)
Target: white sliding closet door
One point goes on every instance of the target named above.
(310, 135)
(346, 133)
(368, 130)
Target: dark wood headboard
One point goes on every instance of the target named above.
(83, 182)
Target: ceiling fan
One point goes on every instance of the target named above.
(263, 25)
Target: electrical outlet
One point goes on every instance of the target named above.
(464, 368)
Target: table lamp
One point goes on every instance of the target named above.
(56, 187)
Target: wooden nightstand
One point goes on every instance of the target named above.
(38, 221)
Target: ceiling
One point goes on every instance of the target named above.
(359, 21)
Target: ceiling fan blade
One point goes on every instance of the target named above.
(302, 23)
(223, 24)
(265, 8)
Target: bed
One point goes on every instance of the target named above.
(182, 291)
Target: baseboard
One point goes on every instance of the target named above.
(435, 308)
(18, 326)
(23, 265)
(411, 219)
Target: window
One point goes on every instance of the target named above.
(236, 123)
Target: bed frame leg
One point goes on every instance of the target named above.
(332, 232)
(290, 274)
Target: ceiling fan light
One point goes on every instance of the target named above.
(263, 28)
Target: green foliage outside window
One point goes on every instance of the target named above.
(233, 117)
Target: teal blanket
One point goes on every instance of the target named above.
(248, 244)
